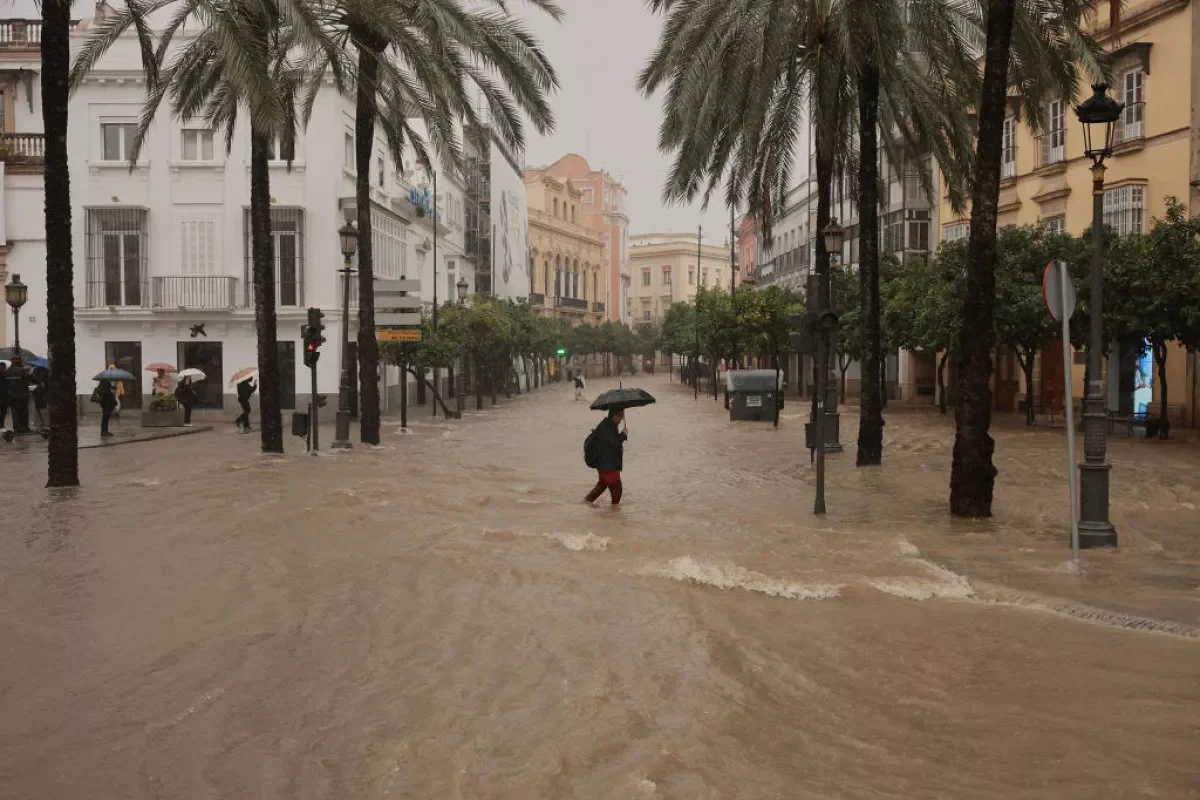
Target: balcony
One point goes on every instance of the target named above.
(1131, 126)
(194, 291)
(571, 303)
(598, 308)
(117, 294)
(23, 150)
(20, 35)
(537, 299)
(1051, 149)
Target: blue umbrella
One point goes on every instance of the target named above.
(114, 375)
(39, 362)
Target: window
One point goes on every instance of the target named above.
(116, 256)
(956, 231)
(1129, 126)
(666, 272)
(572, 213)
(380, 171)
(589, 195)
(451, 281)
(918, 234)
(388, 245)
(556, 206)
(197, 144)
(348, 151)
(1125, 209)
(893, 231)
(646, 277)
(691, 276)
(281, 151)
(1008, 160)
(704, 277)
(1055, 224)
(287, 239)
(198, 246)
(1055, 139)
(118, 140)
(646, 314)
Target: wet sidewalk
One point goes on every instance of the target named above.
(89, 437)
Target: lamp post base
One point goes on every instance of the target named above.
(341, 439)
(833, 429)
(1095, 529)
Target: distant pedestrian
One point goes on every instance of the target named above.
(245, 390)
(107, 399)
(162, 383)
(580, 385)
(185, 393)
(604, 451)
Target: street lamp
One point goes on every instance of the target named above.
(15, 294)
(834, 235)
(349, 240)
(826, 326)
(462, 340)
(1098, 114)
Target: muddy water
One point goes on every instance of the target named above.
(441, 618)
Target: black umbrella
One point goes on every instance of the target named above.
(9, 353)
(622, 398)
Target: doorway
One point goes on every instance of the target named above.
(126, 356)
(207, 357)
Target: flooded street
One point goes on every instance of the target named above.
(440, 617)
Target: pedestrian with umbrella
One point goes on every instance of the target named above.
(106, 396)
(246, 386)
(185, 393)
(604, 448)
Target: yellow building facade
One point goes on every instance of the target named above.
(664, 270)
(1047, 180)
(566, 258)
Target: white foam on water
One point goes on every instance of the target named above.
(940, 583)
(730, 576)
(1189, 506)
(907, 548)
(579, 541)
(647, 788)
(1001, 596)
(142, 482)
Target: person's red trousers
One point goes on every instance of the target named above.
(610, 480)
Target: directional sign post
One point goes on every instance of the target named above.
(398, 313)
(1059, 293)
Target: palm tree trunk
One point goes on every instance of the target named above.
(941, 381)
(271, 420)
(63, 461)
(364, 145)
(870, 426)
(972, 473)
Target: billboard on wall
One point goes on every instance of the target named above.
(510, 267)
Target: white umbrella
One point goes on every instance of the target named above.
(193, 373)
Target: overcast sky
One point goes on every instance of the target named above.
(598, 49)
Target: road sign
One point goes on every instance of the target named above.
(398, 335)
(1058, 291)
(397, 319)
(389, 302)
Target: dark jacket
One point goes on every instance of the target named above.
(108, 398)
(185, 393)
(244, 390)
(39, 391)
(610, 446)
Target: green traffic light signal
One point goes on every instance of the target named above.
(562, 351)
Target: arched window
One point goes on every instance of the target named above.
(575, 280)
(596, 286)
(556, 206)
(558, 276)
(572, 213)
(546, 278)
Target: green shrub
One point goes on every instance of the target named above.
(164, 402)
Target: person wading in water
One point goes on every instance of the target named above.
(604, 451)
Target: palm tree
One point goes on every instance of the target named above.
(740, 76)
(1038, 47)
(63, 460)
(424, 57)
(252, 54)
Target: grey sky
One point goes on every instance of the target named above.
(598, 50)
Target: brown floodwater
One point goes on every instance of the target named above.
(440, 617)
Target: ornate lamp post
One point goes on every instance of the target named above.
(349, 240)
(462, 341)
(15, 294)
(826, 327)
(1098, 114)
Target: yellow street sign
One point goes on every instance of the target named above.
(398, 335)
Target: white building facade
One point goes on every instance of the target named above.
(162, 248)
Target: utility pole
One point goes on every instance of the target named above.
(696, 321)
(436, 372)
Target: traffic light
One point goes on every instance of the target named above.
(313, 338)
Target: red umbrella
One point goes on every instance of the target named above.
(242, 374)
(157, 365)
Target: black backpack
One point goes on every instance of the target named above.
(590, 456)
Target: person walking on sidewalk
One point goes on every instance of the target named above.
(185, 393)
(604, 451)
(245, 390)
(107, 398)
